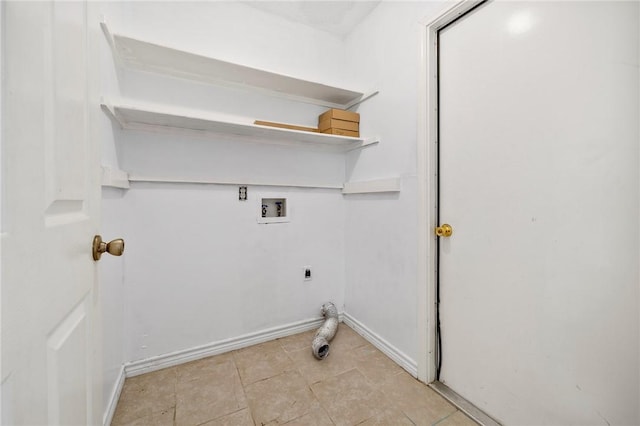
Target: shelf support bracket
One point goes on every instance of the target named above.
(364, 97)
(366, 142)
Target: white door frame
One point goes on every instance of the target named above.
(427, 168)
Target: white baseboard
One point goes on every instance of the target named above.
(387, 348)
(148, 365)
(110, 409)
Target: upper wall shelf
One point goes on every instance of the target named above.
(147, 56)
(171, 120)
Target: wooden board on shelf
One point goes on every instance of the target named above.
(285, 126)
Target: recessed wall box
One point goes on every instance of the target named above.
(273, 210)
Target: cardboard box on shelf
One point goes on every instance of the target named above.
(342, 132)
(329, 123)
(339, 114)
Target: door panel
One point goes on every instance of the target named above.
(67, 370)
(65, 110)
(539, 165)
(50, 363)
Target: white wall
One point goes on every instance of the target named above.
(381, 230)
(198, 267)
(112, 293)
(384, 51)
(241, 34)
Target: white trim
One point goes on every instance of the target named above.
(110, 409)
(114, 178)
(387, 348)
(463, 405)
(172, 359)
(206, 181)
(370, 186)
(427, 184)
(2, 235)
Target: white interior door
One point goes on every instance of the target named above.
(51, 195)
(538, 162)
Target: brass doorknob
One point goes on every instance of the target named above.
(115, 247)
(444, 231)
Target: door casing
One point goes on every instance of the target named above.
(427, 167)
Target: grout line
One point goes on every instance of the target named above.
(175, 394)
(445, 417)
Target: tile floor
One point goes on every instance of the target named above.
(280, 382)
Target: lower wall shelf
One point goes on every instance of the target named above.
(171, 120)
(372, 186)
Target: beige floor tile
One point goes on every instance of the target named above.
(346, 338)
(386, 420)
(376, 366)
(146, 395)
(297, 342)
(280, 382)
(384, 412)
(196, 369)
(239, 418)
(421, 404)
(280, 399)
(211, 396)
(457, 419)
(314, 370)
(315, 417)
(164, 418)
(261, 361)
(348, 398)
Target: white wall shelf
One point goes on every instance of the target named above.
(114, 178)
(372, 186)
(144, 55)
(235, 182)
(171, 120)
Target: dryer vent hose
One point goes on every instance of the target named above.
(320, 344)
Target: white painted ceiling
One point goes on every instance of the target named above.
(335, 17)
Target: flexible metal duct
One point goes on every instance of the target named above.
(320, 344)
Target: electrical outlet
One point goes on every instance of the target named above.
(307, 273)
(242, 193)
